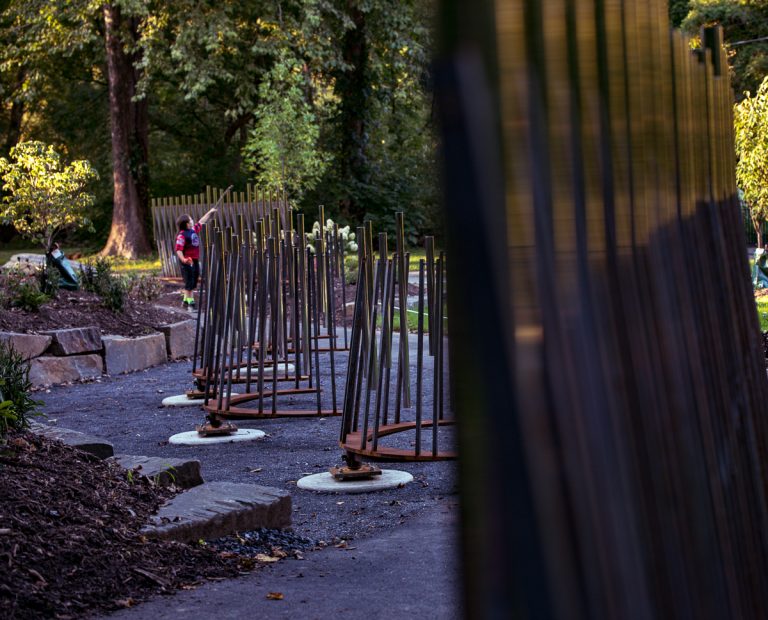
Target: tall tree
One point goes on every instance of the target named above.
(130, 136)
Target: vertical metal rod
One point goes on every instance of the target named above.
(420, 358)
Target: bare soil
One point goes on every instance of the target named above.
(84, 309)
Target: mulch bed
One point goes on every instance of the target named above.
(69, 535)
(84, 309)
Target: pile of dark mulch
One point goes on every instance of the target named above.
(69, 536)
(84, 309)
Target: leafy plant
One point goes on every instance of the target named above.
(14, 389)
(97, 277)
(346, 237)
(50, 279)
(44, 196)
(751, 128)
(144, 287)
(22, 290)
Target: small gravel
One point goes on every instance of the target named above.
(126, 410)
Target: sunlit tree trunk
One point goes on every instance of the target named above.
(128, 236)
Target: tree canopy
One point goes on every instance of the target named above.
(328, 98)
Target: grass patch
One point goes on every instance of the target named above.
(762, 312)
(413, 321)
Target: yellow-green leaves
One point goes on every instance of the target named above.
(44, 195)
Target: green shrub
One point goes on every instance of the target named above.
(22, 290)
(50, 279)
(97, 277)
(14, 389)
(350, 269)
(145, 287)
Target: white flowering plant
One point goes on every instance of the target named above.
(346, 237)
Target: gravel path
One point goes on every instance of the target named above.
(126, 410)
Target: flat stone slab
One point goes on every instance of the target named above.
(53, 370)
(29, 345)
(164, 471)
(181, 400)
(192, 438)
(325, 483)
(96, 446)
(218, 509)
(179, 338)
(74, 341)
(122, 355)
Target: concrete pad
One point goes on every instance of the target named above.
(181, 400)
(191, 438)
(96, 446)
(218, 509)
(325, 483)
(164, 471)
(281, 369)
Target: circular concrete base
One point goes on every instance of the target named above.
(181, 400)
(282, 369)
(325, 483)
(191, 438)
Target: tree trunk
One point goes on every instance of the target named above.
(16, 116)
(354, 90)
(128, 236)
(757, 224)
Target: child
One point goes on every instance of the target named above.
(188, 252)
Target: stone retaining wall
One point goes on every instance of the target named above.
(66, 355)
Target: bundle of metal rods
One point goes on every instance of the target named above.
(378, 404)
(268, 313)
(612, 379)
(253, 205)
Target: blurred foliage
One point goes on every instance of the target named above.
(329, 98)
(742, 23)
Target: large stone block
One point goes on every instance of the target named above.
(179, 338)
(164, 471)
(75, 341)
(29, 345)
(52, 370)
(123, 355)
(96, 446)
(218, 509)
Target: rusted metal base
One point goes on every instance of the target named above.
(210, 430)
(364, 472)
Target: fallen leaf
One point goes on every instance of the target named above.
(267, 559)
(275, 596)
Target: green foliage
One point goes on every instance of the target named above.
(144, 287)
(741, 21)
(751, 129)
(50, 279)
(22, 290)
(44, 196)
(14, 389)
(283, 146)
(97, 277)
(678, 10)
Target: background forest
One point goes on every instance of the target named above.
(330, 99)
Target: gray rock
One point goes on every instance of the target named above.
(75, 341)
(123, 355)
(31, 262)
(218, 509)
(164, 471)
(29, 345)
(53, 370)
(96, 446)
(179, 338)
